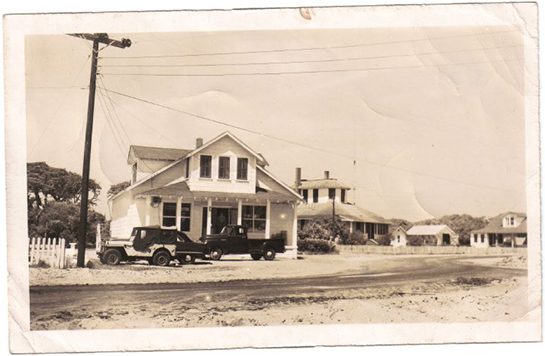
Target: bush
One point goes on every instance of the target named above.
(324, 229)
(316, 246)
(355, 238)
(384, 240)
(421, 240)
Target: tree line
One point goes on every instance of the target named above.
(53, 197)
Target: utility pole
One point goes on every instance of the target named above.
(97, 39)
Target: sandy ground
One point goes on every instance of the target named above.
(461, 299)
(231, 268)
(453, 301)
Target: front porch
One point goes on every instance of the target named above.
(265, 214)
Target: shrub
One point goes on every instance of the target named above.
(42, 264)
(324, 229)
(384, 240)
(418, 240)
(355, 238)
(316, 246)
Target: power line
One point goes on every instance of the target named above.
(115, 113)
(302, 144)
(303, 61)
(313, 48)
(139, 120)
(100, 99)
(308, 71)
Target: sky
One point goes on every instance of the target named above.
(423, 122)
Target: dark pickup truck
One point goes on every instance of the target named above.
(233, 239)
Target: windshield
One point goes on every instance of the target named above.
(227, 230)
(183, 237)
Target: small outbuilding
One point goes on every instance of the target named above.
(399, 237)
(440, 235)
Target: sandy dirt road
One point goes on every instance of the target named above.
(359, 296)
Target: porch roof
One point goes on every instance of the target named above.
(495, 226)
(347, 212)
(182, 189)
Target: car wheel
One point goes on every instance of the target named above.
(161, 258)
(112, 257)
(187, 259)
(216, 253)
(256, 257)
(269, 254)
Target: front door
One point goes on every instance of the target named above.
(446, 239)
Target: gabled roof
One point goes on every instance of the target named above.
(400, 228)
(323, 183)
(260, 159)
(428, 229)
(293, 192)
(155, 153)
(495, 225)
(347, 212)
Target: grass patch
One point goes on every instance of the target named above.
(474, 281)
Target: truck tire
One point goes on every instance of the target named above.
(186, 259)
(256, 256)
(161, 258)
(216, 253)
(269, 253)
(112, 257)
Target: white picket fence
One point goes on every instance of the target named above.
(49, 251)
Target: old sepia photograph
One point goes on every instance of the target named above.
(297, 176)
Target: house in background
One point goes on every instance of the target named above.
(199, 191)
(399, 237)
(323, 196)
(505, 229)
(442, 234)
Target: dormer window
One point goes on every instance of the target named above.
(343, 195)
(187, 167)
(206, 167)
(305, 195)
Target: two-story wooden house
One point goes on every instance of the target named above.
(200, 190)
(508, 229)
(328, 196)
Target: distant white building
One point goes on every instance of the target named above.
(399, 237)
(444, 235)
(328, 196)
(505, 229)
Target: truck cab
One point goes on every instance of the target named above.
(233, 239)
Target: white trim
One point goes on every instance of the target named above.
(224, 134)
(146, 178)
(280, 182)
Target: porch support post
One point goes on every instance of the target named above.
(268, 220)
(512, 240)
(487, 239)
(178, 213)
(239, 212)
(351, 226)
(148, 207)
(294, 228)
(209, 217)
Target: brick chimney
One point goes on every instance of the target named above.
(199, 142)
(326, 174)
(297, 178)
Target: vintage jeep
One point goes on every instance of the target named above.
(152, 243)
